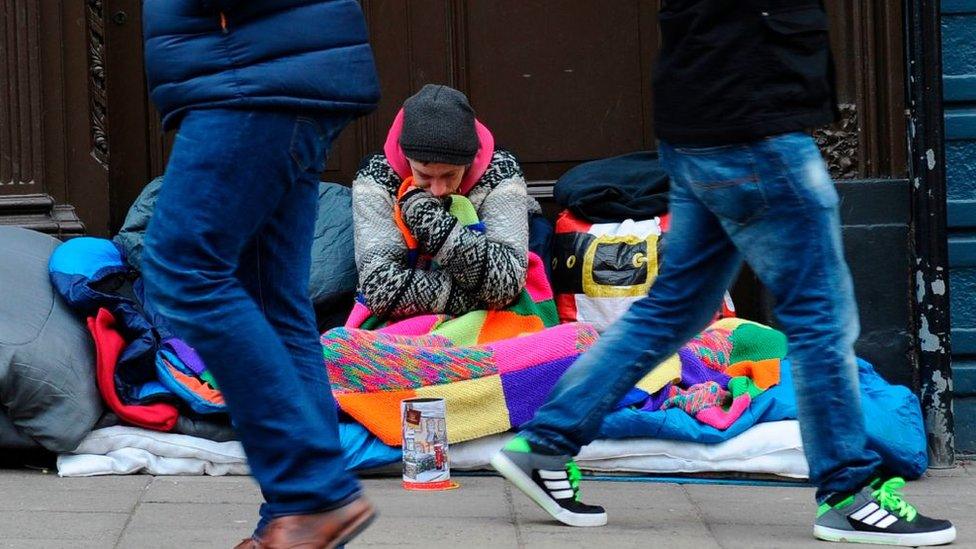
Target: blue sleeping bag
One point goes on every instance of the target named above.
(363, 450)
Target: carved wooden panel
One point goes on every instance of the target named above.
(840, 144)
(98, 98)
(21, 146)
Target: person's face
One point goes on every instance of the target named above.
(440, 180)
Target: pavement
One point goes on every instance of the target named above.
(40, 510)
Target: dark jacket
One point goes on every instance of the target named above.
(283, 54)
(739, 70)
(610, 190)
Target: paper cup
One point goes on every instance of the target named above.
(426, 464)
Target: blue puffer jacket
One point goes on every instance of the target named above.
(310, 55)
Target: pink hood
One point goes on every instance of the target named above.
(396, 158)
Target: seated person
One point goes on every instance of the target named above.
(413, 255)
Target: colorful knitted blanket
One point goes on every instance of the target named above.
(491, 387)
(488, 388)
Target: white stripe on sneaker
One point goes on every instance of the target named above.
(865, 511)
(528, 486)
(887, 522)
(558, 485)
(875, 517)
(562, 494)
(553, 475)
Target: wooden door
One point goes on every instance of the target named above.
(557, 82)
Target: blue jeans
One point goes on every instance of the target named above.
(772, 203)
(227, 261)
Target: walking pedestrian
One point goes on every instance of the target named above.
(736, 85)
(258, 90)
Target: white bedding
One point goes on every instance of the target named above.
(771, 448)
(128, 450)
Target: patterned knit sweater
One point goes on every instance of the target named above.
(471, 269)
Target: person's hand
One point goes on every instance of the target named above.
(421, 213)
(417, 203)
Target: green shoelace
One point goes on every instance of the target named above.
(575, 476)
(890, 498)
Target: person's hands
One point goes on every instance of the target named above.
(422, 213)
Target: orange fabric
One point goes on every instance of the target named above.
(501, 325)
(193, 383)
(764, 373)
(379, 412)
(398, 215)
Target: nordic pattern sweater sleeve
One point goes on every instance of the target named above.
(491, 266)
(389, 286)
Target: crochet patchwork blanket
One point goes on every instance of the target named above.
(487, 388)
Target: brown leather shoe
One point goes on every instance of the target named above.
(321, 530)
(248, 543)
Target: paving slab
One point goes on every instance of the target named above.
(108, 499)
(476, 497)
(43, 511)
(749, 505)
(426, 531)
(37, 543)
(798, 535)
(188, 525)
(202, 490)
(100, 529)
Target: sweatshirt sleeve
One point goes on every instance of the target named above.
(389, 286)
(491, 265)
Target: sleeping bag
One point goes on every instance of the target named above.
(332, 284)
(47, 363)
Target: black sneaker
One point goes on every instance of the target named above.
(551, 481)
(878, 514)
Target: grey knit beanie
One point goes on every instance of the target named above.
(438, 126)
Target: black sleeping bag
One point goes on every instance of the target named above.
(611, 190)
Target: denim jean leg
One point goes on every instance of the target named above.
(275, 270)
(795, 248)
(698, 265)
(229, 173)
